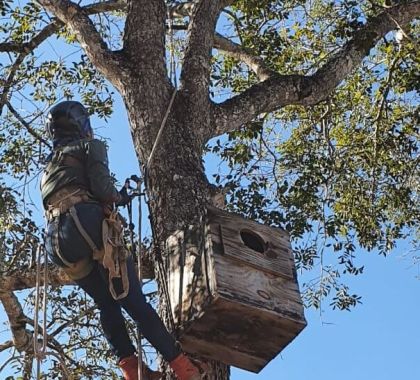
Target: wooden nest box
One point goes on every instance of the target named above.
(233, 290)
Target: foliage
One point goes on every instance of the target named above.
(338, 176)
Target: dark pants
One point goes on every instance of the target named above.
(73, 248)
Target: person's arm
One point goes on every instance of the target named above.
(100, 180)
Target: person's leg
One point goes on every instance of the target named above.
(112, 320)
(146, 318)
(153, 329)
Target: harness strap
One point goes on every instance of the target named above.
(63, 200)
(76, 270)
(81, 229)
(59, 203)
(56, 244)
(115, 254)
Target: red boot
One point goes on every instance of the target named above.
(129, 368)
(185, 369)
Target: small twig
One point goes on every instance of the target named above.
(27, 126)
(6, 345)
(73, 320)
(403, 31)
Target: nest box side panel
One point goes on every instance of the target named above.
(263, 290)
(191, 278)
(262, 247)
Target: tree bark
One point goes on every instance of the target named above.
(22, 338)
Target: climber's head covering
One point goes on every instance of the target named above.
(68, 121)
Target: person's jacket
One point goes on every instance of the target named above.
(81, 164)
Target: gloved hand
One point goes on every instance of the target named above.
(124, 197)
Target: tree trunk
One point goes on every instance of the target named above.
(176, 185)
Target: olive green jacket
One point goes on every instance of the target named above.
(84, 164)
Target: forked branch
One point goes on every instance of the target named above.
(280, 90)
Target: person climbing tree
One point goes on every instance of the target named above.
(78, 194)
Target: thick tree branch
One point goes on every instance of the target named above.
(27, 279)
(256, 64)
(25, 49)
(144, 46)
(6, 345)
(22, 338)
(106, 6)
(76, 19)
(10, 80)
(195, 74)
(281, 90)
(53, 27)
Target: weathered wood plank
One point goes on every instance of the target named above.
(277, 257)
(260, 289)
(193, 273)
(237, 335)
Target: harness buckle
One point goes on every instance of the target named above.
(53, 213)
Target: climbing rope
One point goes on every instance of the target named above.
(139, 268)
(138, 254)
(161, 265)
(172, 62)
(173, 79)
(40, 350)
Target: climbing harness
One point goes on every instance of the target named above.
(40, 349)
(113, 255)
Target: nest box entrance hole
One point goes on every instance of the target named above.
(255, 242)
